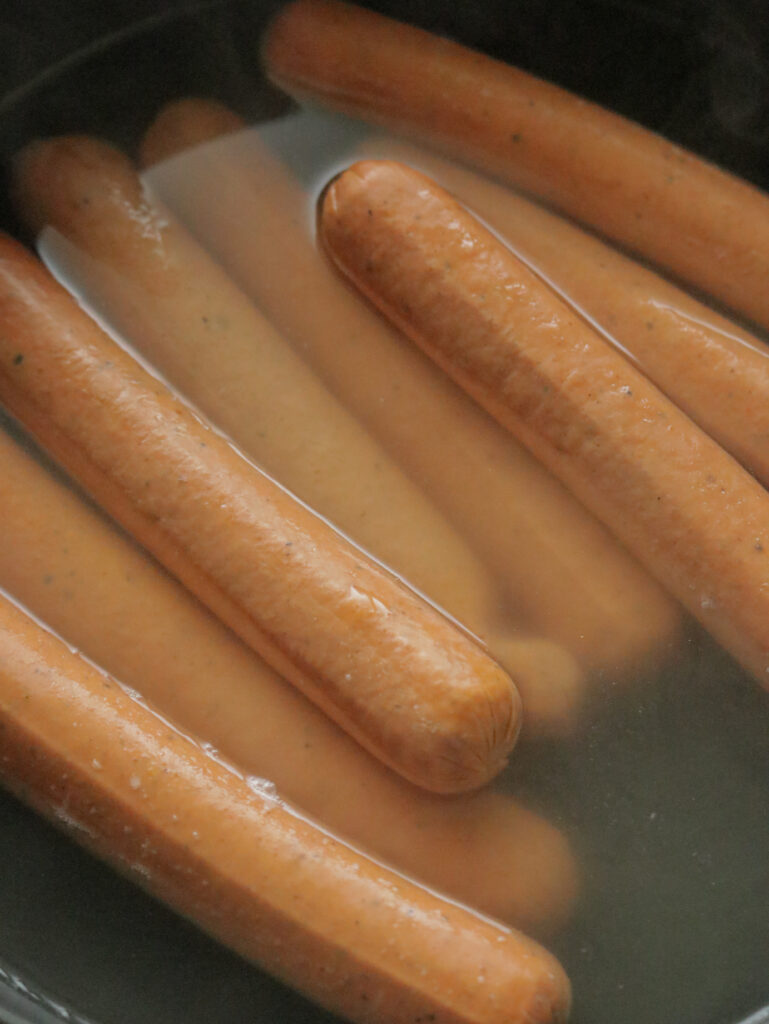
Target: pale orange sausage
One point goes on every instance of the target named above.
(408, 685)
(352, 935)
(78, 573)
(566, 577)
(689, 510)
(702, 224)
(714, 370)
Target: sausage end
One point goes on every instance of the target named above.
(475, 742)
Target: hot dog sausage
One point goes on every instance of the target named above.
(359, 939)
(410, 686)
(682, 504)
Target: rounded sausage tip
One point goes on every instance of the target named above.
(551, 684)
(475, 744)
(183, 124)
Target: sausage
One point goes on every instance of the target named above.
(410, 686)
(566, 577)
(714, 370)
(351, 934)
(85, 579)
(703, 225)
(683, 505)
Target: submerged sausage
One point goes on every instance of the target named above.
(566, 577)
(78, 573)
(714, 370)
(704, 225)
(359, 939)
(408, 685)
(685, 507)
